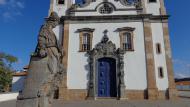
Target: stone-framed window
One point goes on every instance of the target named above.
(85, 39)
(127, 41)
(126, 38)
(158, 48)
(160, 72)
(61, 2)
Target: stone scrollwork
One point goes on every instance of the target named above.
(136, 3)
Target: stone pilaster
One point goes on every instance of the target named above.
(162, 8)
(69, 3)
(150, 65)
(143, 6)
(172, 92)
(63, 87)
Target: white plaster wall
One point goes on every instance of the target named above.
(58, 30)
(135, 68)
(135, 62)
(18, 83)
(160, 60)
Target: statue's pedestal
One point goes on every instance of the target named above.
(37, 75)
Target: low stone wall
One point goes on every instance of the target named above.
(184, 94)
(8, 96)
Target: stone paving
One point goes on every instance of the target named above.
(107, 103)
(183, 102)
(111, 103)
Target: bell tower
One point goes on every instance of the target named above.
(60, 6)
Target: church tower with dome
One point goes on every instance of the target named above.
(114, 49)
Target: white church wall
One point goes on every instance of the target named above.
(135, 63)
(152, 8)
(160, 61)
(135, 68)
(58, 30)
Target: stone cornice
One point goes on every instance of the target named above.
(85, 30)
(125, 29)
(145, 17)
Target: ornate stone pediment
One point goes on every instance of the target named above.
(105, 48)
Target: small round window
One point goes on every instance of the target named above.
(106, 9)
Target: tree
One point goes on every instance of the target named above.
(6, 71)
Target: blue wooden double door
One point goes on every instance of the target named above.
(107, 77)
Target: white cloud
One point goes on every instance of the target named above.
(20, 5)
(11, 8)
(179, 75)
(2, 2)
(182, 68)
(6, 15)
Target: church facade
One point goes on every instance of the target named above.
(116, 49)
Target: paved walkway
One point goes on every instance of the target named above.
(102, 103)
(108, 103)
(185, 102)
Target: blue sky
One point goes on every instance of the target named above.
(20, 21)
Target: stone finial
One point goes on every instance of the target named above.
(105, 37)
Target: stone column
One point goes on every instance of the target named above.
(172, 92)
(150, 63)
